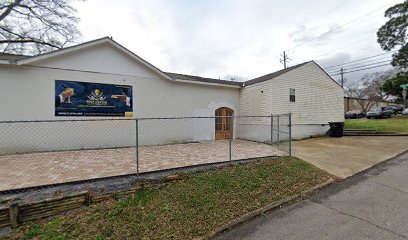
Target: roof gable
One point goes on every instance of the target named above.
(272, 75)
(77, 49)
(276, 74)
(321, 69)
(87, 46)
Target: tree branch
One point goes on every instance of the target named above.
(29, 41)
(37, 26)
(8, 9)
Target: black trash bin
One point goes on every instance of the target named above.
(336, 129)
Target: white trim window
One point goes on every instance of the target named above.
(292, 95)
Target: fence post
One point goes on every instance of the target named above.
(290, 134)
(278, 130)
(14, 215)
(230, 138)
(137, 146)
(271, 129)
(88, 199)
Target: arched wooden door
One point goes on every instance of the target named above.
(224, 123)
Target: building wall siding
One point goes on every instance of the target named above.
(30, 90)
(28, 94)
(319, 99)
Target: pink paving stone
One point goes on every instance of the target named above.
(36, 169)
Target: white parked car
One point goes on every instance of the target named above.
(405, 112)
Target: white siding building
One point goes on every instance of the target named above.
(27, 92)
(316, 98)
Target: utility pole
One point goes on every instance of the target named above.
(285, 59)
(404, 94)
(342, 77)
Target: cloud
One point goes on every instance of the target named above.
(316, 35)
(334, 60)
(237, 38)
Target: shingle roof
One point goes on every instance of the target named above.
(11, 57)
(246, 83)
(202, 79)
(273, 75)
(14, 57)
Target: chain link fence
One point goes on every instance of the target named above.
(39, 153)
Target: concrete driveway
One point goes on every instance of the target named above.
(346, 156)
(370, 205)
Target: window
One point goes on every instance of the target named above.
(218, 119)
(228, 119)
(292, 97)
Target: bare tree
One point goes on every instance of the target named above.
(357, 91)
(369, 90)
(36, 26)
(373, 84)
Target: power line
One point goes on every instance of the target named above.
(359, 60)
(346, 46)
(370, 61)
(358, 70)
(367, 65)
(333, 72)
(373, 11)
(362, 69)
(360, 66)
(343, 47)
(345, 24)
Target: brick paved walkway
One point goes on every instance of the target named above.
(36, 169)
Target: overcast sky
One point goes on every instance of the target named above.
(239, 38)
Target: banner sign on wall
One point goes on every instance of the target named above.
(92, 99)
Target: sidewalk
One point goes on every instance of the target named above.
(370, 205)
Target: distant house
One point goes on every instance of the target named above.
(29, 90)
(353, 104)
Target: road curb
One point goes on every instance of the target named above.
(262, 210)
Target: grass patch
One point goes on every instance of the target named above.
(395, 124)
(183, 209)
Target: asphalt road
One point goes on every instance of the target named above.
(370, 205)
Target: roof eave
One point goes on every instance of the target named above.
(327, 74)
(207, 83)
(33, 59)
(146, 63)
(41, 57)
(256, 81)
